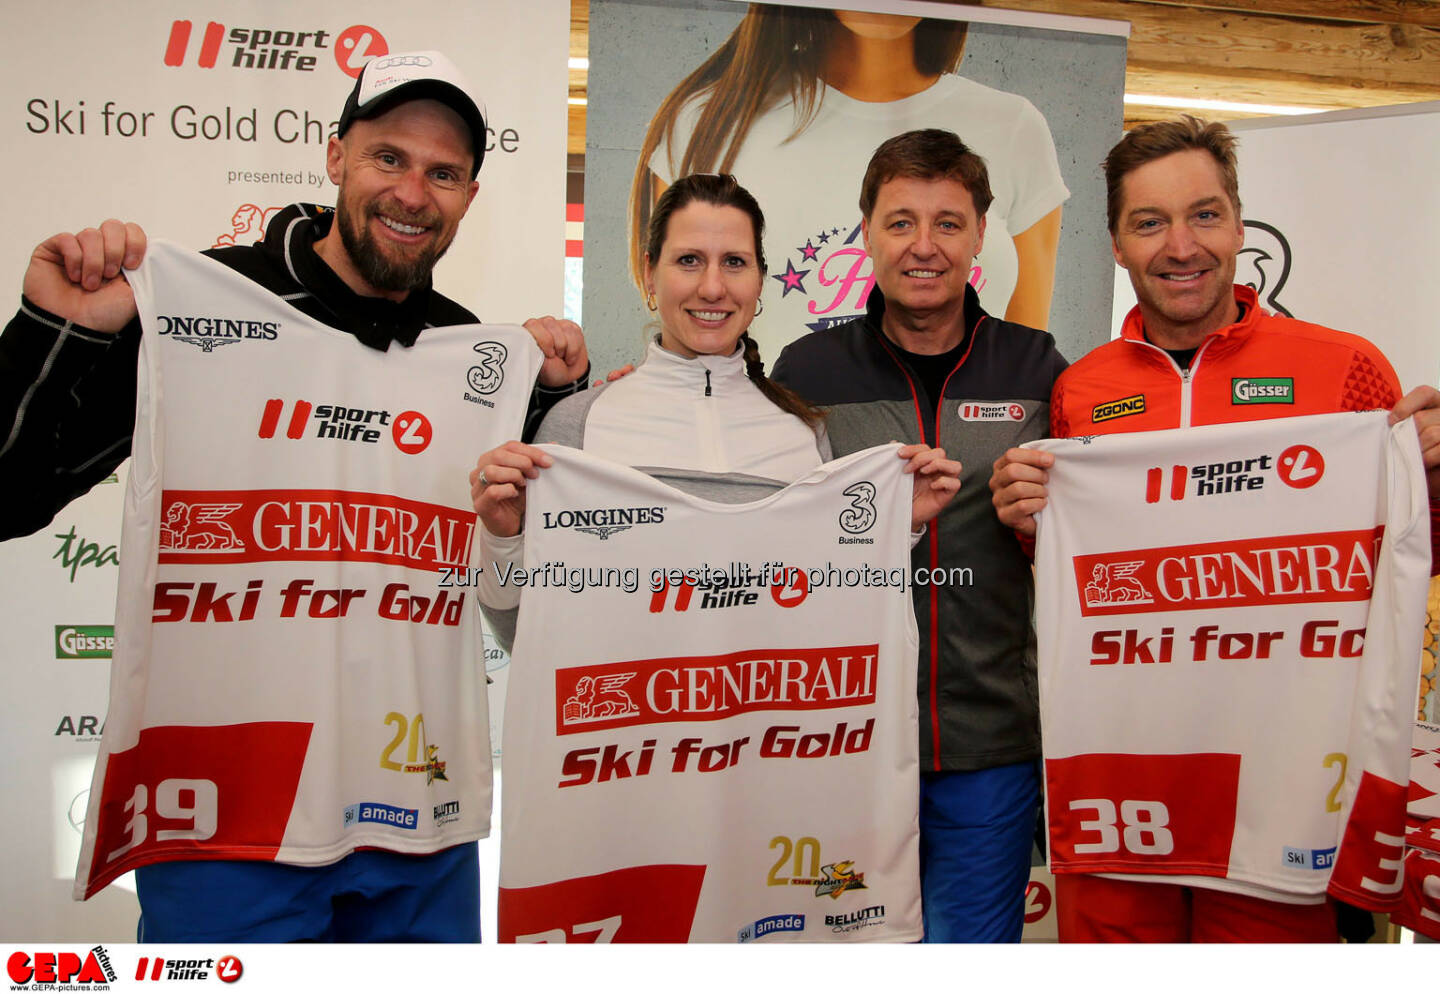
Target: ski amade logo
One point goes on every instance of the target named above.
(273, 48)
(84, 641)
(43, 971)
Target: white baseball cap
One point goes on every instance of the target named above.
(392, 79)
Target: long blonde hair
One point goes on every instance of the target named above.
(775, 51)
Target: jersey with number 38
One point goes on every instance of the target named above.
(292, 679)
(1229, 624)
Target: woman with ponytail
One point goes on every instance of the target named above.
(699, 413)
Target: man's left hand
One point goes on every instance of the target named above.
(937, 481)
(1424, 404)
(566, 359)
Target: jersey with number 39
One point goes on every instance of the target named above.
(1229, 624)
(292, 679)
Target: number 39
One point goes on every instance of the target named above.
(202, 812)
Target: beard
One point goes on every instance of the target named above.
(380, 270)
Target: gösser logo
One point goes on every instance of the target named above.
(271, 48)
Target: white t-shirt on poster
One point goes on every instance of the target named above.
(809, 187)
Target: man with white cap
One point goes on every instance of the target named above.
(409, 144)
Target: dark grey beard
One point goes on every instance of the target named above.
(378, 269)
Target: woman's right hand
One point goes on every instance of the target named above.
(497, 485)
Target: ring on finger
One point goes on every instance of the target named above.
(483, 481)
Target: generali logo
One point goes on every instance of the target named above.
(272, 48)
(1322, 567)
(256, 526)
(708, 688)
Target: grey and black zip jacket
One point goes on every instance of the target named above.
(977, 684)
(67, 393)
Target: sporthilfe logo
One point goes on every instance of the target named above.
(274, 48)
(974, 410)
(1299, 467)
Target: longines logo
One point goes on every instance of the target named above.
(209, 332)
(603, 522)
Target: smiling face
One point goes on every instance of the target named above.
(404, 186)
(706, 281)
(922, 236)
(1177, 232)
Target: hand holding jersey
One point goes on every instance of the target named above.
(77, 277)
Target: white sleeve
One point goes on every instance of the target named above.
(665, 160)
(1039, 188)
(498, 557)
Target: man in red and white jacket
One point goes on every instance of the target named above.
(1197, 349)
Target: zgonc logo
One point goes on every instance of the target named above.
(274, 48)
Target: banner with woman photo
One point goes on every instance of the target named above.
(794, 99)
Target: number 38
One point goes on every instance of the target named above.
(1145, 824)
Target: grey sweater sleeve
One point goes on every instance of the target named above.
(564, 425)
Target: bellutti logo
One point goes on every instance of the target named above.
(853, 921)
(271, 47)
(45, 971)
(84, 641)
(210, 332)
(762, 927)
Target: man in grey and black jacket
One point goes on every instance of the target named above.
(927, 364)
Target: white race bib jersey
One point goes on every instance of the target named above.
(725, 755)
(1420, 908)
(293, 677)
(1229, 624)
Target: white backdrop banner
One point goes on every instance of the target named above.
(199, 121)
